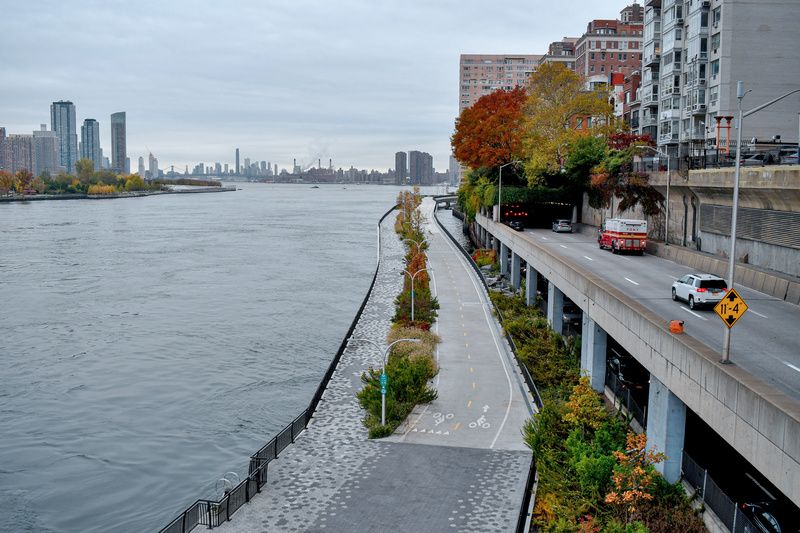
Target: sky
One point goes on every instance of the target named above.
(351, 80)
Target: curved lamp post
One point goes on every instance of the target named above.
(384, 377)
(740, 93)
(419, 246)
(414, 275)
(500, 190)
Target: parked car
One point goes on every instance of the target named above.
(699, 289)
(516, 225)
(630, 373)
(572, 314)
(788, 156)
(562, 225)
(768, 517)
(759, 159)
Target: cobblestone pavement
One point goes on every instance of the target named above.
(334, 479)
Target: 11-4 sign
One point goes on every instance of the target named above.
(731, 308)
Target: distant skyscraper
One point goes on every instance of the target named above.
(62, 121)
(45, 152)
(118, 142)
(19, 152)
(90, 142)
(153, 164)
(141, 167)
(3, 149)
(400, 171)
(420, 167)
(237, 162)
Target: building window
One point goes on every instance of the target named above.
(716, 16)
(715, 67)
(715, 41)
(592, 55)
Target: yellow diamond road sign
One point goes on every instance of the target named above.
(731, 308)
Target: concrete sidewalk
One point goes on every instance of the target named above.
(335, 479)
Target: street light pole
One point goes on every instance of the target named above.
(500, 190)
(412, 289)
(419, 246)
(384, 377)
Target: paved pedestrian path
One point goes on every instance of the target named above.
(335, 479)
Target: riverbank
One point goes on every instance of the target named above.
(126, 194)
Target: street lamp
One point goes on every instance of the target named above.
(740, 93)
(384, 378)
(669, 179)
(500, 190)
(419, 246)
(412, 288)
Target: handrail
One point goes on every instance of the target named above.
(213, 513)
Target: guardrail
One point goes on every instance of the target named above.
(212, 513)
(715, 498)
(522, 520)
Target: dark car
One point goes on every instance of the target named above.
(517, 225)
(631, 374)
(572, 314)
(769, 517)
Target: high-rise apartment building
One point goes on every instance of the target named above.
(400, 170)
(153, 167)
(2, 149)
(45, 152)
(119, 150)
(141, 167)
(610, 46)
(237, 162)
(18, 152)
(562, 51)
(90, 142)
(62, 121)
(695, 52)
(420, 167)
(481, 74)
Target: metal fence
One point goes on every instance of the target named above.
(623, 393)
(714, 497)
(524, 514)
(212, 513)
(709, 160)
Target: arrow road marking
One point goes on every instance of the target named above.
(693, 313)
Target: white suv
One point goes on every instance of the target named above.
(699, 289)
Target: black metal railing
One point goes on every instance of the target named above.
(714, 497)
(522, 519)
(625, 397)
(212, 513)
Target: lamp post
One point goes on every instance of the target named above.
(412, 288)
(666, 218)
(384, 378)
(740, 93)
(500, 190)
(419, 246)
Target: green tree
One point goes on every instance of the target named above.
(584, 409)
(84, 169)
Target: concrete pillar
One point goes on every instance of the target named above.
(666, 428)
(555, 308)
(531, 282)
(503, 259)
(594, 342)
(515, 270)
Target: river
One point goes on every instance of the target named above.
(149, 345)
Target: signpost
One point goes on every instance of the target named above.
(384, 382)
(731, 308)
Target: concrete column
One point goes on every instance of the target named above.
(531, 282)
(504, 259)
(666, 428)
(594, 342)
(515, 270)
(555, 308)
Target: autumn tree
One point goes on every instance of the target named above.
(584, 409)
(7, 182)
(23, 180)
(634, 475)
(84, 169)
(489, 133)
(557, 105)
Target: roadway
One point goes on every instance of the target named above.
(765, 341)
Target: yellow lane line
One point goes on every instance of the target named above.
(458, 425)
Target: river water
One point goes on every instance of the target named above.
(150, 345)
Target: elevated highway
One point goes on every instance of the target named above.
(754, 404)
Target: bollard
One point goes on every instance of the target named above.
(676, 326)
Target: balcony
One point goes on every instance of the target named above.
(668, 138)
(650, 100)
(653, 59)
(652, 3)
(649, 120)
(699, 109)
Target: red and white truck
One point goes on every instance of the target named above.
(623, 235)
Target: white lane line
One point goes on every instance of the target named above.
(693, 313)
(671, 277)
(757, 313)
(589, 258)
(629, 279)
(561, 245)
(790, 365)
(545, 239)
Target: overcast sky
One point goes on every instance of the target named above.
(352, 80)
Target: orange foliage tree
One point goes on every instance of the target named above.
(634, 475)
(489, 133)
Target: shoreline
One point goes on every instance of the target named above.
(131, 194)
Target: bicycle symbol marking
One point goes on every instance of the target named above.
(438, 418)
(480, 423)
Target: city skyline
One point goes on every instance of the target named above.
(278, 92)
